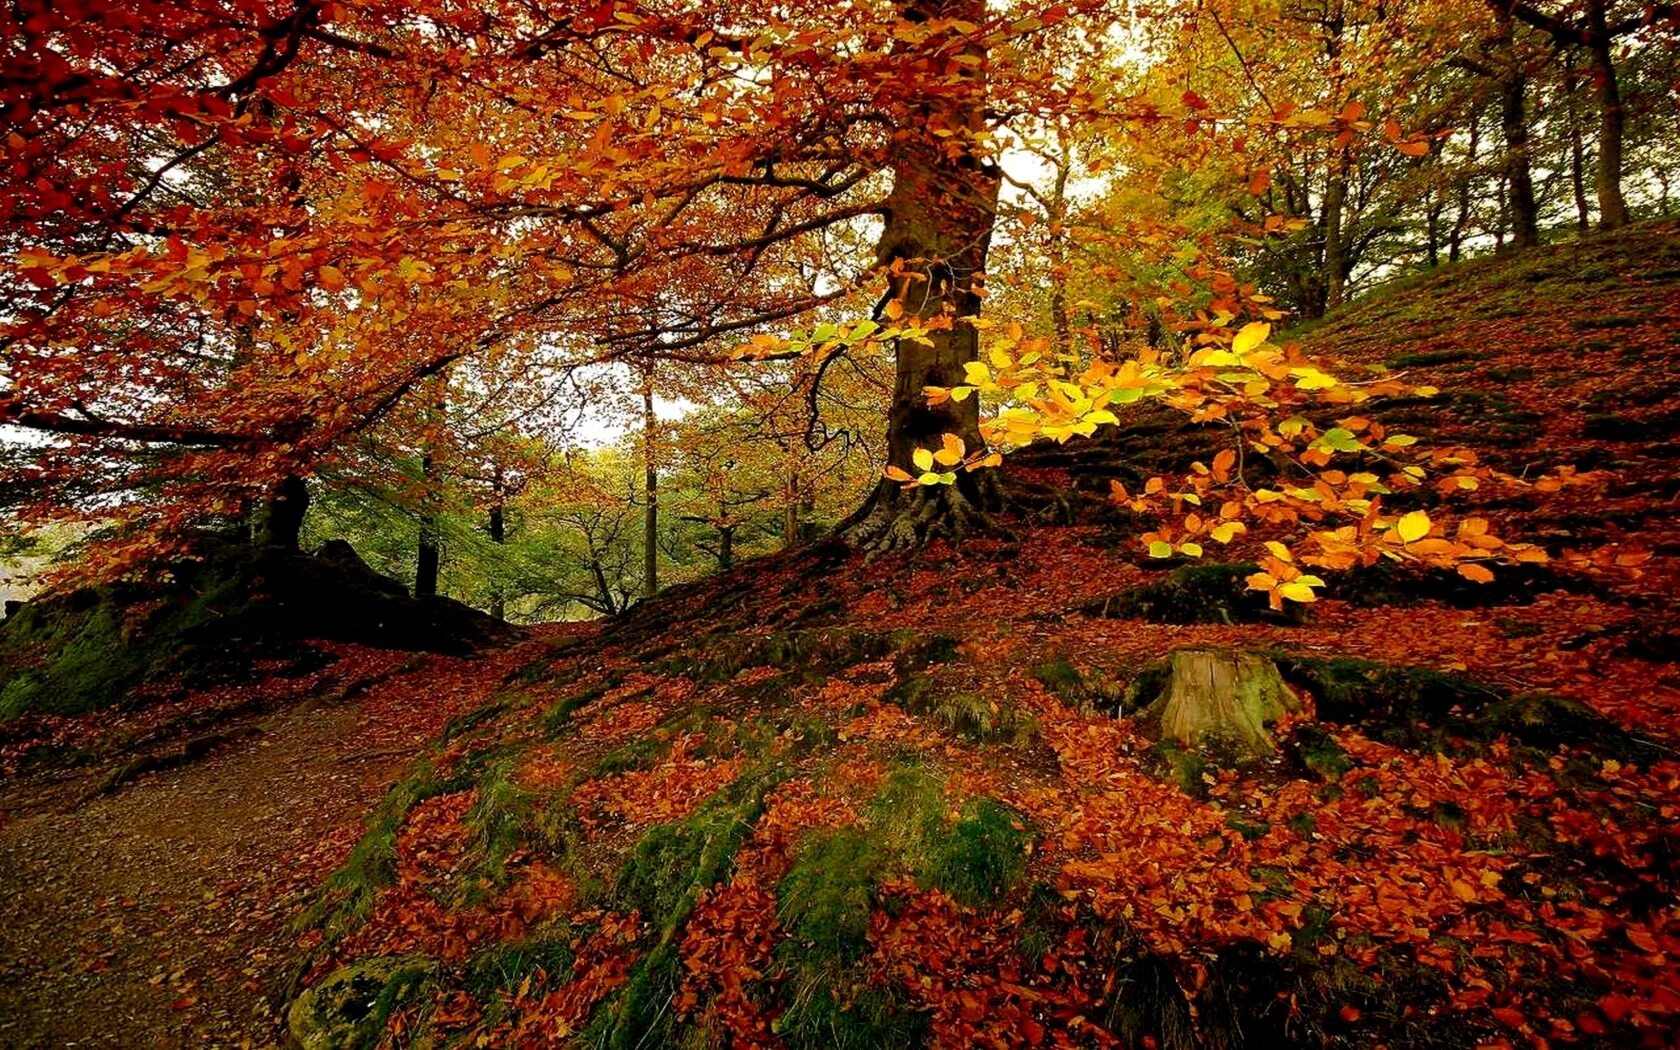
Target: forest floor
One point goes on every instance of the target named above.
(819, 802)
(161, 914)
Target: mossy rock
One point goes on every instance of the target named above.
(982, 720)
(1314, 750)
(220, 611)
(85, 651)
(1390, 583)
(1212, 593)
(1427, 710)
(1062, 678)
(347, 1009)
(810, 652)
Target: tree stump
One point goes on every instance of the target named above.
(1223, 700)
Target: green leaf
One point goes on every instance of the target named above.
(1339, 439)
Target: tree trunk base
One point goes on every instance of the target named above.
(895, 519)
(1222, 700)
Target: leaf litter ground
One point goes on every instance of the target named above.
(819, 802)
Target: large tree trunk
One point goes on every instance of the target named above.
(281, 520)
(1519, 179)
(940, 215)
(1513, 121)
(1221, 700)
(1612, 209)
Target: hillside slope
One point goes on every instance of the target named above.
(1564, 355)
(819, 802)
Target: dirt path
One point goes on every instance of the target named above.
(160, 916)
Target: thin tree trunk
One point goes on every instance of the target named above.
(1503, 222)
(1577, 151)
(429, 556)
(498, 536)
(650, 487)
(1060, 326)
(1335, 249)
(791, 502)
(1461, 224)
(1432, 227)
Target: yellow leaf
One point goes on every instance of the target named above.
(1251, 336)
(1413, 526)
(1160, 549)
(923, 459)
(1279, 551)
(1194, 550)
(1296, 591)
(1227, 529)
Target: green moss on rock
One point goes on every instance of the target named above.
(1199, 593)
(348, 1008)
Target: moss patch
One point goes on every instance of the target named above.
(1426, 710)
(663, 877)
(1213, 593)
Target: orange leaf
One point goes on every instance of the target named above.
(1478, 573)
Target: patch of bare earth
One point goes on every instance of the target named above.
(161, 915)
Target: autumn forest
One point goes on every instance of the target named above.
(870, 524)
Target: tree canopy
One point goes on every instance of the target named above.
(251, 243)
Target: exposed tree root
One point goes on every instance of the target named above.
(895, 519)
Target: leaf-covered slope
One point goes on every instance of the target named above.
(823, 802)
(232, 614)
(1564, 355)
